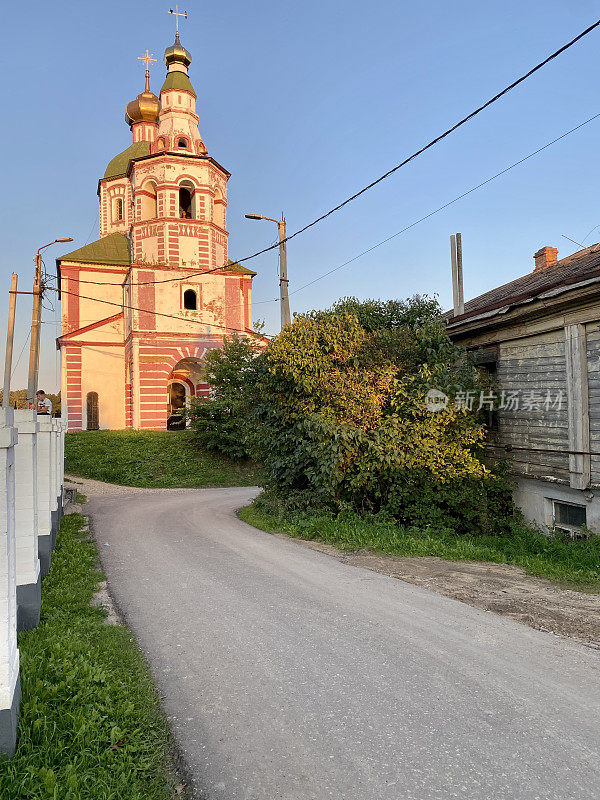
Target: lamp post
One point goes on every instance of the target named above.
(283, 278)
(36, 318)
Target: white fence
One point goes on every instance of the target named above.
(31, 497)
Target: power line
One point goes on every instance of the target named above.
(417, 153)
(148, 283)
(389, 238)
(439, 138)
(446, 205)
(378, 244)
(162, 314)
(20, 355)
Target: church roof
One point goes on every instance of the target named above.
(238, 269)
(113, 249)
(178, 80)
(117, 167)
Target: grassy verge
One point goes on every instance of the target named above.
(152, 459)
(90, 726)
(576, 564)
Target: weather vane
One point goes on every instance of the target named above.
(177, 13)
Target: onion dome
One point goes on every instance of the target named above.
(177, 54)
(145, 107)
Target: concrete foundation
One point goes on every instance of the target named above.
(45, 552)
(536, 498)
(9, 718)
(29, 601)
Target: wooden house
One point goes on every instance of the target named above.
(540, 335)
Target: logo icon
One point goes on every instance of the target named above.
(436, 400)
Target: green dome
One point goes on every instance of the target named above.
(118, 166)
(178, 80)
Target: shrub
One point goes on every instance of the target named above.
(340, 420)
(220, 422)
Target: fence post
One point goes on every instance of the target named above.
(44, 492)
(54, 521)
(10, 686)
(26, 519)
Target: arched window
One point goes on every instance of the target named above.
(182, 143)
(161, 144)
(93, 423)
(117, 209)
(149, 201)
(190, 300)
(186, 200)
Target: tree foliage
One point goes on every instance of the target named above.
(334, 408)
(340, 419)
(220, 422)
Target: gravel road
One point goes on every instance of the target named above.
(288, 674)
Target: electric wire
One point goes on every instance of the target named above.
(383, 241)
(423, 149)
(12, 374)
(446, 205)
(162, 314)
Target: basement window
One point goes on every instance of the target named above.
(569, 518)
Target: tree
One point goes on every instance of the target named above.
(341, 422)
(220, 422)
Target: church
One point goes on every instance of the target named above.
(143, 304)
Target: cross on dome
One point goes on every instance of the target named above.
(148, 59)
(177, 13)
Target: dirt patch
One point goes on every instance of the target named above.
(103, 599)
(499, 588)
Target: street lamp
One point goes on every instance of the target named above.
(36, 318)
(283, 279)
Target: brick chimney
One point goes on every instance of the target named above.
(545, 257)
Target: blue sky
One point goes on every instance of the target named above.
(304, 104)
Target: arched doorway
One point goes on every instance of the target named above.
(185, 382)
(176, 406)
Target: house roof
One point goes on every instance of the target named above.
(579, 266)
(117, 167)
(113, 249)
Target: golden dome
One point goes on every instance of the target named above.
(145, 107)
(177, 54)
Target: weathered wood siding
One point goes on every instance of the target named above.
(593, 350)
(536, 364)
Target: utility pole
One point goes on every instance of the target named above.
(457, 274)
(36, 319)
(34, 346)
(12, 305)
(284, 300)
(283, 278)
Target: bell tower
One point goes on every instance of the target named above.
(159, 288)
(179, 190)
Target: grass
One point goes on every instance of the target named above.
(90, 726)
(574, 564)
(152, 460)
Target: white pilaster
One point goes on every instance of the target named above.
(45, 489)
(10, 691)
(26, 520)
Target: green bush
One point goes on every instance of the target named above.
(340, 422)
(219, 422)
